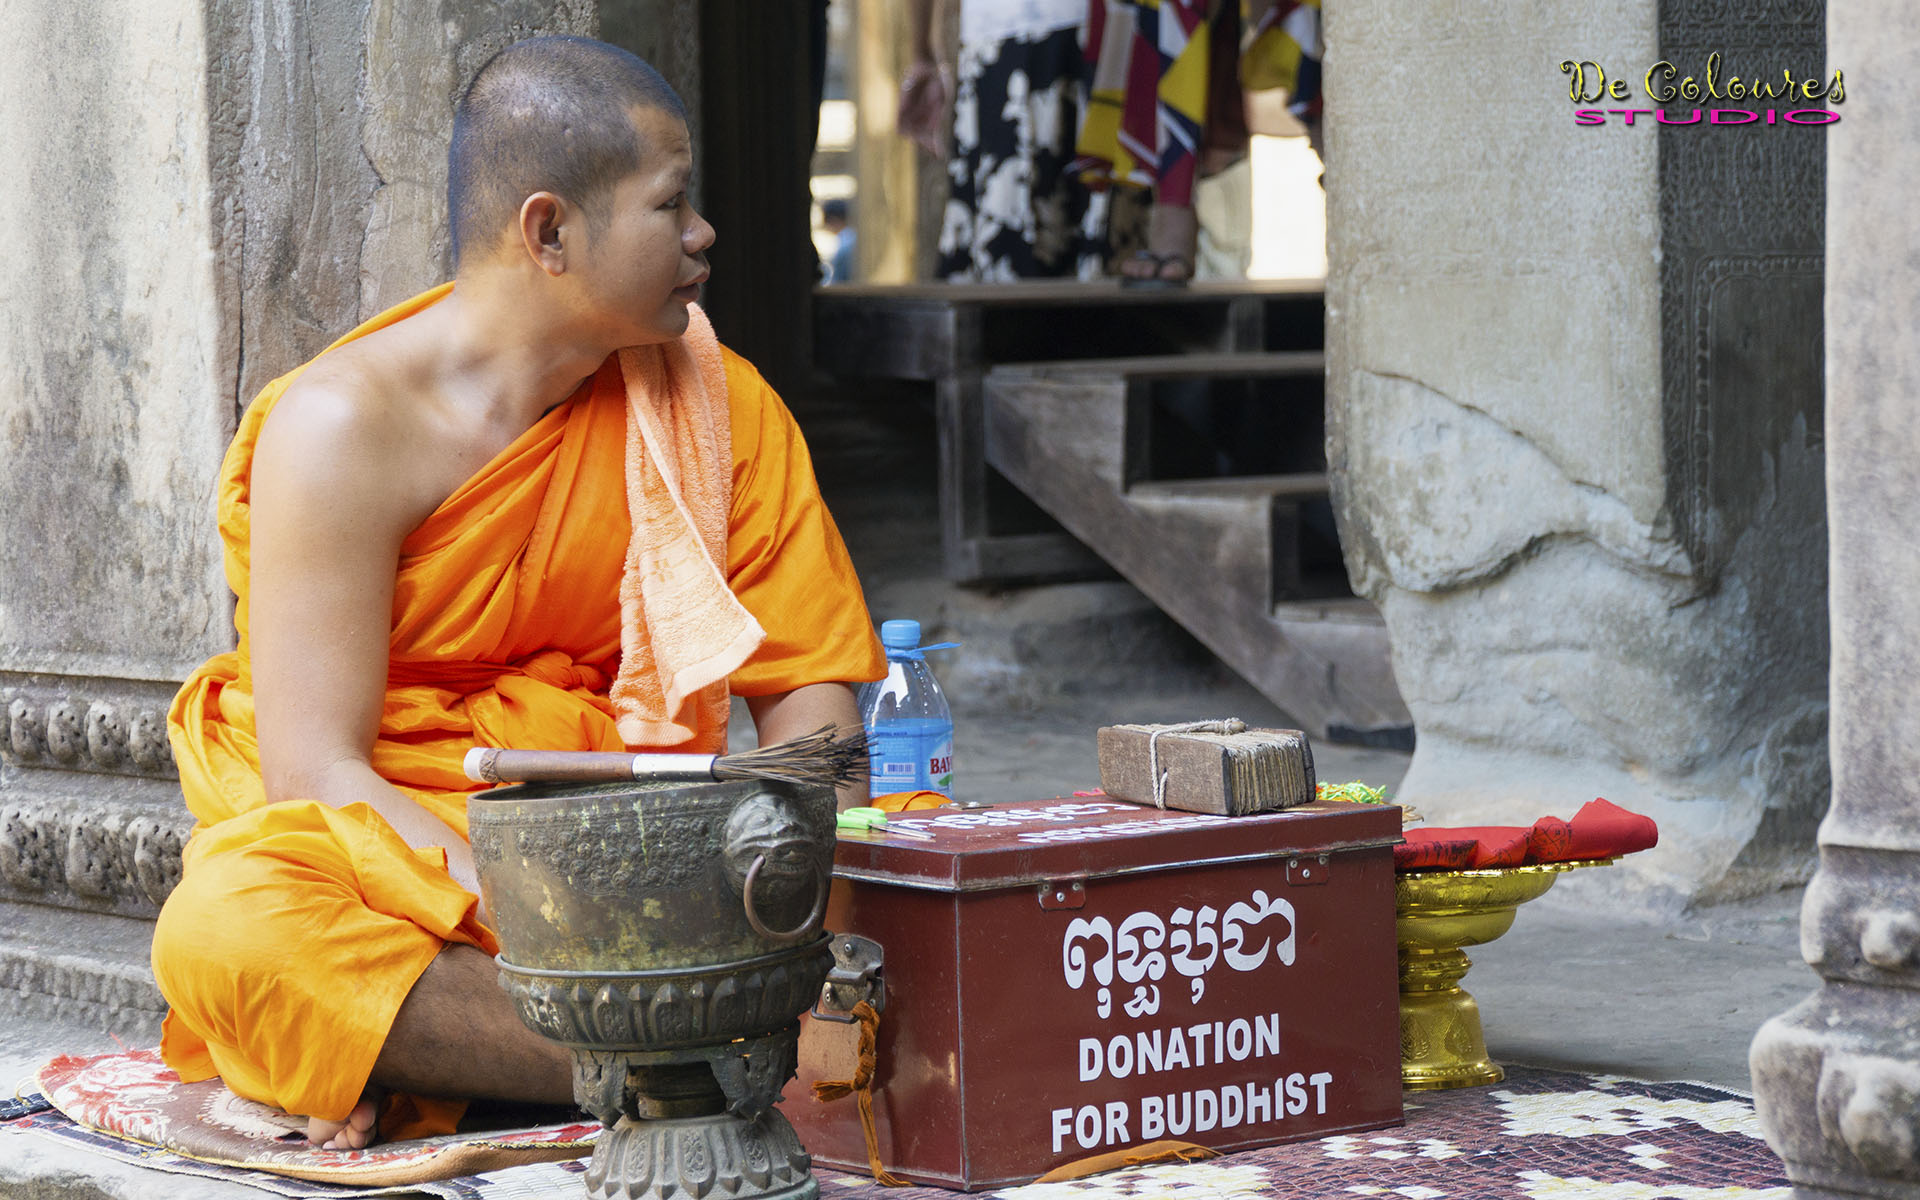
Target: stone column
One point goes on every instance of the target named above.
(1574, 423)
(215, 190)
(1837, 1078)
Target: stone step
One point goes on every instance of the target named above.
(85, 969)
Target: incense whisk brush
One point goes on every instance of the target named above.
(819, 759)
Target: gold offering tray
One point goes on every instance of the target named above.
(1438, 912)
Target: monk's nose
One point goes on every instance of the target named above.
(697, 236)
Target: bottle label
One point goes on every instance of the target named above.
(906, 758)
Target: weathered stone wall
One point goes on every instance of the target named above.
(329, 132)
(108, 561)
(667, 34)
(115, 418)
(216, 190)
(1574, 419)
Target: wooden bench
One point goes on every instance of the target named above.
(950, 335)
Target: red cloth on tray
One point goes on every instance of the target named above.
(1461, 848)
(1599, 830)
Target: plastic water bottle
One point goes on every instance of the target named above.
(909, 727)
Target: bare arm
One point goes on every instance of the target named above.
(924, 89)
(920, 29)
(330, 508)
(784, 716)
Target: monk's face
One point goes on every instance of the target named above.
(648, 258)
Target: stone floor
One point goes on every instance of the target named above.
(1040, 669)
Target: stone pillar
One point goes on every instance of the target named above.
(1837, 1078)
(216, 189)
(1574, 423)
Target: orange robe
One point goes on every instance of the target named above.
(298, 928)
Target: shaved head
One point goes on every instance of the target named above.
(550, 114)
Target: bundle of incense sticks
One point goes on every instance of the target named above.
(822, 758)
(1216, 766)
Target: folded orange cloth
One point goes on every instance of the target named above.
(1599, 830)
(682, 630)
(908, 801)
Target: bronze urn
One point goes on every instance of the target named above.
(669, 935)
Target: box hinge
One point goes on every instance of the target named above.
(1308, 870)
(1063, 893)
(856, 976)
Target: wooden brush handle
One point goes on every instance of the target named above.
(581, 766)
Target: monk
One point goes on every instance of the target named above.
(540, 506)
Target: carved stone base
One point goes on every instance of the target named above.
(721, 1156)
(1836, 1081)
(98, 843)
(90, 811)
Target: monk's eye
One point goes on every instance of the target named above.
(678, 199)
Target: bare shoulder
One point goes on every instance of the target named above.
(343, 398)
(344, 437)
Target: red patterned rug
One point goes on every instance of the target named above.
(1540, 1135)
(130, 1103)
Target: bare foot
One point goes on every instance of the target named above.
(1168, 258)
(354, 1133)
(1173, 232)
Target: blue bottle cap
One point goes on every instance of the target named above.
(900, 635)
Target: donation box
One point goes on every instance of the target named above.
(1075, 977)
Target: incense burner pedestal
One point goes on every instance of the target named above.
(1442, 1044)
(669, 936)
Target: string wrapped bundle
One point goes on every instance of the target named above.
(1216, 766)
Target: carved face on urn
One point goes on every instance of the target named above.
(767, 828)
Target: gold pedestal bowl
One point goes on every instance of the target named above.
(1441, 1042)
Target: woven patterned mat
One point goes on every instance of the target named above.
(1540, 1135)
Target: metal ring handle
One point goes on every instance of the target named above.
(774, 935)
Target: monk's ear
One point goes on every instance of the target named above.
(543, 220)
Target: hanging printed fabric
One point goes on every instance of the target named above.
(1284, 46)
(1148, 102)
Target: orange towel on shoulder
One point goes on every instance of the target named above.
(682, 632)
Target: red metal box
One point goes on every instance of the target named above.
(1073, 977)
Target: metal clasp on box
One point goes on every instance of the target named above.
(1303, 871)
(1063, 893)
(856, 976)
